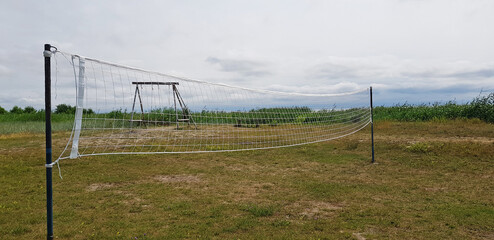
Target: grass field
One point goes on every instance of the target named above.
(433, 180)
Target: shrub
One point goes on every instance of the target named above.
(29, 109)
(116, 114)
(16, 110)
(482, 107)
(301, 118)
(65, 108)
(2, 110)
(87, 111)
(419, 147)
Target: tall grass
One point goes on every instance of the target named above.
(423, 112)
(481, 107)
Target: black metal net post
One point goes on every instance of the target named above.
(372, 125)
(49, 186)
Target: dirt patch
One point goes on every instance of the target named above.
(131, 198)
(315, 209)
(435, 189)
(242, 168)
(177, 178)
(358, 236)
(249, 191)
(100, 186)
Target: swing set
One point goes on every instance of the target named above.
(185, 115)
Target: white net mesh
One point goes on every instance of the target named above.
(123, 110)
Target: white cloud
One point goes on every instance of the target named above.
(244, 68)
(396, 46)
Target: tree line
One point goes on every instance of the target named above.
(60, 109)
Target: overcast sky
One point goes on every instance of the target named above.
(410, 50)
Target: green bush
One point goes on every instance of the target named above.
(64, 108)
(29, 109)
(116, 114)
(87, 111)
(301, 118)
(482, 107)
(2, 110)
(16, 110)
(419, 147)
(67, 109)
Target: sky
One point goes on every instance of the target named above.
(410, 51)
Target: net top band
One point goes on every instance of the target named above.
(210, 83)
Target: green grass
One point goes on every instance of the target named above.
(259, 211)
(481, 107)
(33, 122)
(34, 117)
(33, 127)
(433, 180)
